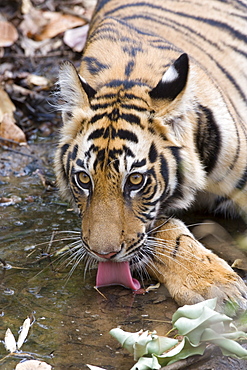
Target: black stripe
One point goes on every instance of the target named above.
(106, 96)
(94, 66)
(100, 105)
(100, 5)
(128, 153)
(141, 4)
(146, 194)
(243, 181)
(74, 152)
(177, 193)
(208, 138)
(63, 150)
(178, 240)
(93, 148)
(126, 135)
(131, 118)
(113, 116)
(97, 117)
(152, 155)
(99, 159)
(164, 170)
(139, 163)
(175, 250)
(67, 168)
(132, 51)
(127, 106)
(126, 84)
(133, 96)
(96, 134)
(129, 68)
(80, 163)
(134, 107)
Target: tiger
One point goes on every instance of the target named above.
(154, 123)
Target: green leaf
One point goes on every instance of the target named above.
(180, 352)
(209, 334)
(126, 339)
(161, 344)
(147, 363)
(195, 310)
(143, 343)
(226, 342)
(230, 348)
(193, 328)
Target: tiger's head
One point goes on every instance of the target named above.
(122, 158)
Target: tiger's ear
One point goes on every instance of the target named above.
(173, 80)
(74, 90)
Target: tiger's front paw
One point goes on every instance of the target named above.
(224, 284)
(192, 273)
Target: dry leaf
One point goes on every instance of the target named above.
(33, 365)
(24, 332)
(8, 34)
(58, 23)
(37, 80)
(31, 47)
(26, 6)
(6, 105)
(9, 130)
(33, 23)
(9, 341)
(76, 38)
(239, 264)
(5, 202)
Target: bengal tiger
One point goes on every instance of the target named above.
(153, 123)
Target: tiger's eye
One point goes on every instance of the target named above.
(136, 179)
(83, 178)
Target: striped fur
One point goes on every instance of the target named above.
(160, 99)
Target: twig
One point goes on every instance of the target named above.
(16, 152)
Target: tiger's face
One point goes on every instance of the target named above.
(119, 162)
(111, 171)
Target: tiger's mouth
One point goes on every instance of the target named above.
(116, 273)
(113, 271)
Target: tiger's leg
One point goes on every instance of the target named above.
(191, 272)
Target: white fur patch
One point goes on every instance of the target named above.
(170, 75)
(82, 79)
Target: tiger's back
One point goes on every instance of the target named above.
(155, 117)
(140, 36)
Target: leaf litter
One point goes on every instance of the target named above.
(14, 347)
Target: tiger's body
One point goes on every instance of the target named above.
(149, 130)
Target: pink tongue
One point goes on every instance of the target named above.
(116, 273)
